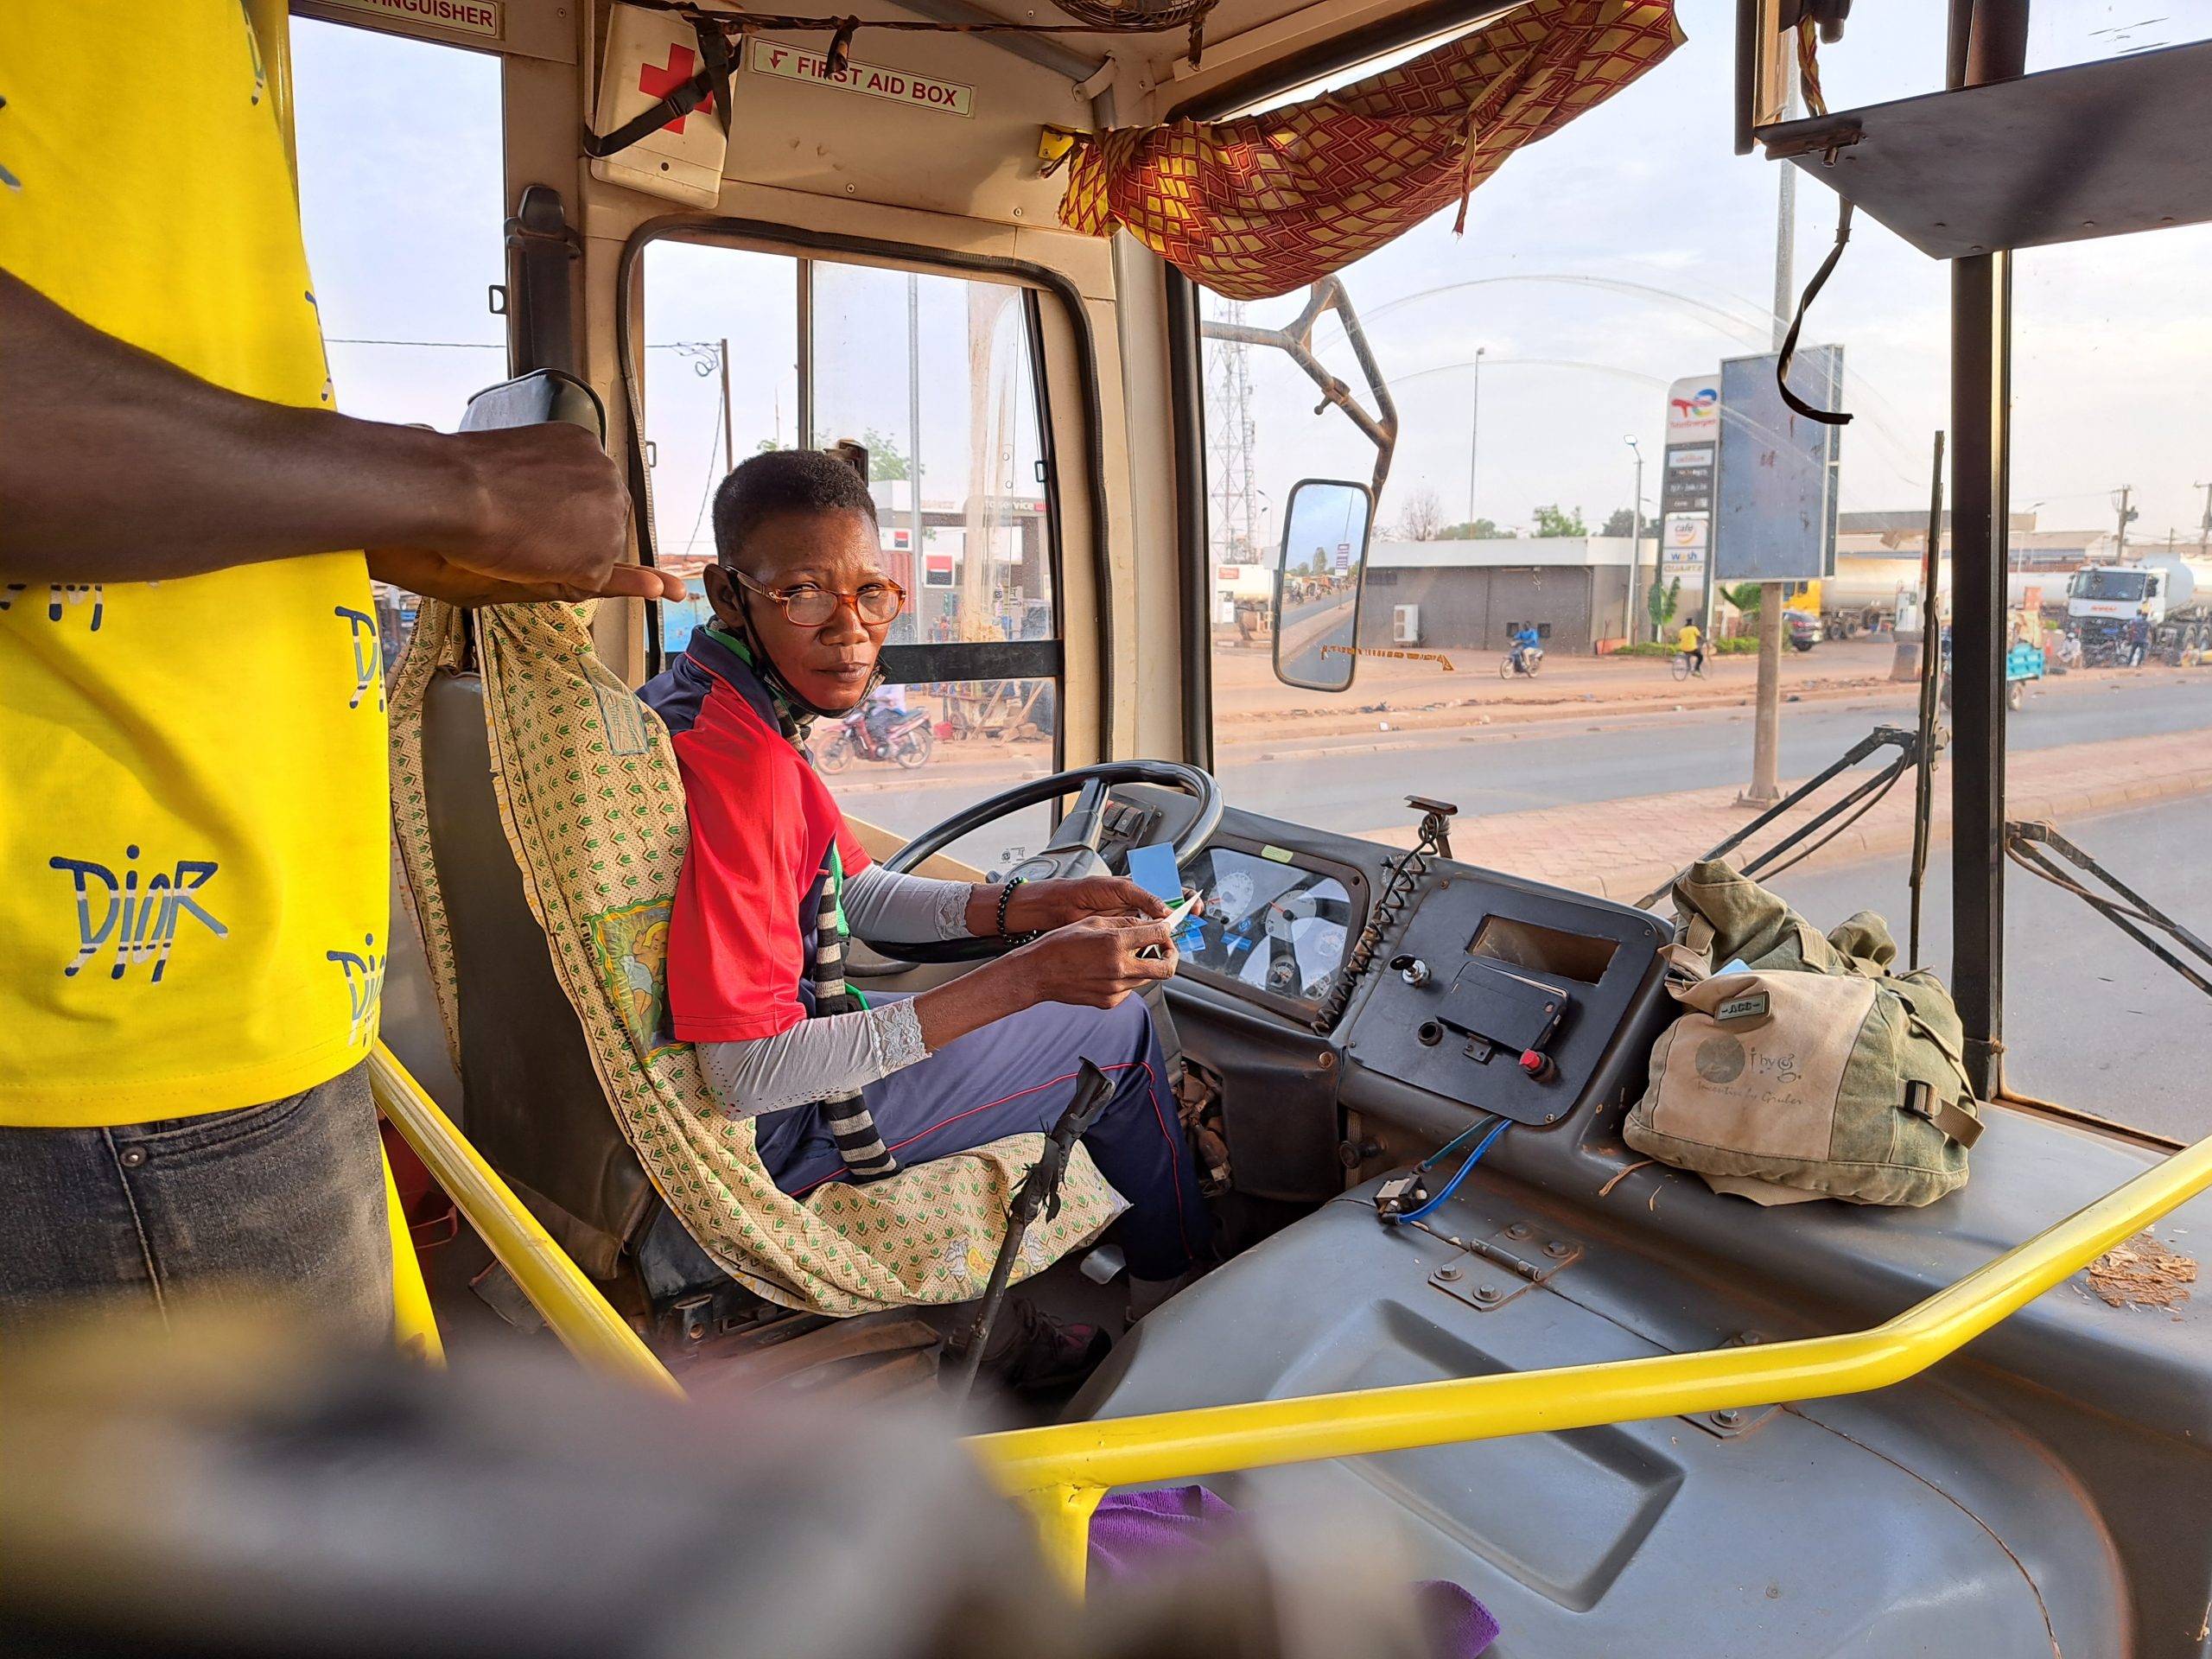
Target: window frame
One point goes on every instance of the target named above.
(916, 664)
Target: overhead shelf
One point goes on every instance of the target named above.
(2092, 149)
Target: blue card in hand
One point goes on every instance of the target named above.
(1154, 869)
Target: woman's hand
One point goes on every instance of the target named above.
(1095, 963)
(1040, 906)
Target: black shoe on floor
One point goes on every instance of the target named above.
(1032, 1352)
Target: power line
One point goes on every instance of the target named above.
(479, 345)
(714, 438)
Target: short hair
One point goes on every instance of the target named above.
(785, 481)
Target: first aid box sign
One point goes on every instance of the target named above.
(871, 80)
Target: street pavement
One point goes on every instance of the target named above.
(1336, 783)
(1358, 785)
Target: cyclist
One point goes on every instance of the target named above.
(1691, 644)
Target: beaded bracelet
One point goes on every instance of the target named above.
(1005, 897)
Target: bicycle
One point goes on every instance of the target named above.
(1684, 668)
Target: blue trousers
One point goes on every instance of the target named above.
(1018, 1075)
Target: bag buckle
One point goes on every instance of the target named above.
(1962, 1126)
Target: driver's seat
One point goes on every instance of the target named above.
(532, 1097)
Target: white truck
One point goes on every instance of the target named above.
(2173, 595)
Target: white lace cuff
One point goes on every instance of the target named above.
(952, 911)
(896, 1029)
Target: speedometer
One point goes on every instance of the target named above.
(1234, 896)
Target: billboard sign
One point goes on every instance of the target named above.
(1775, 501)
(1694, 410)
(1685, 484)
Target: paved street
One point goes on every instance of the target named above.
(1358, 785)
(1343, 784)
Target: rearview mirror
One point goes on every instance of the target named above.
(1320, 575)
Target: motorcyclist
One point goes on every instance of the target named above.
(1525, 646)
(884, 711)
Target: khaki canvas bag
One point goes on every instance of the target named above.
(1816, 1072)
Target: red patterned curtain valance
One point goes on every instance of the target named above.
(1259, 206)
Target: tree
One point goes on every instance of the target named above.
(768, 447)
(1745, 596)
(1423, 520)
(1483, 529)
(885, 458)
(1663, 601)
(1619, 523)
(1550, 521)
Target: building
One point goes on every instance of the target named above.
(1471, 596)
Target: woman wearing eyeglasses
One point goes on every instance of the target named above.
(840, 1091)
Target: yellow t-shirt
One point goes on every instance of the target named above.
(193, 827)
(1689, 639)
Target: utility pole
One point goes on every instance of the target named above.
(2120, 554)
(1474, 434)
(2204, 524)
(1636, 546)
(914, 432)
(1766, 718)
(729, 452)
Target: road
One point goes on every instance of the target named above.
(1306, 629)
(2092, 1020)
(1357, 785)
(1611, 757)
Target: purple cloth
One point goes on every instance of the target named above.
(1135, 1534)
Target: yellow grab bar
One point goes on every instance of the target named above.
(1061, 1472)
(414, 1326)
(578, 1314)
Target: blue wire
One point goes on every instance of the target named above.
(1459, 1174)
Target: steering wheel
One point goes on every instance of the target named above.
(1073, 851)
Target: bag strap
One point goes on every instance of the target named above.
(1922, 1101)
(1689, 959)
(711, 81)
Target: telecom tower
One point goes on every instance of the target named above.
(1234, 522)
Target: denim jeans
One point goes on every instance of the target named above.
(1016, 1076)
(275, 1207)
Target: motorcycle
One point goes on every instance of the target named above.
(1522, 659)
(908, 740)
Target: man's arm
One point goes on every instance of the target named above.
(117, 467)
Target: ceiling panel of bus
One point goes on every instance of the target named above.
(827, 140)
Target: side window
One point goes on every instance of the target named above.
(937, 378)
(401, 206)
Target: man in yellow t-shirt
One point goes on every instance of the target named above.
(195, 830)
(1691, 644)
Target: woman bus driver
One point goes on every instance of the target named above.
(838, 1091)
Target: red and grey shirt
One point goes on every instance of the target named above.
(740, 940)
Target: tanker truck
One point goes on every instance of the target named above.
(1867, 592)
(2174, 594)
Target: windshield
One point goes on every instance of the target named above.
(2109, 584)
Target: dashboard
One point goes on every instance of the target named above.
(1485, 989)
(1272, 921)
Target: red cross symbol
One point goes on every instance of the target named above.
(659, 83)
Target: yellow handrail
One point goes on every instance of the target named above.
(556, 1288)
(414, 1326)
(1061, 1472)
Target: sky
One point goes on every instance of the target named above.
(1629, 248)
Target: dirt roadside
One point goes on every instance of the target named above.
(1410, 697)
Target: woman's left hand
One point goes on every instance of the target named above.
(1040, 906)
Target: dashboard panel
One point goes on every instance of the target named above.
(1275, 924)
